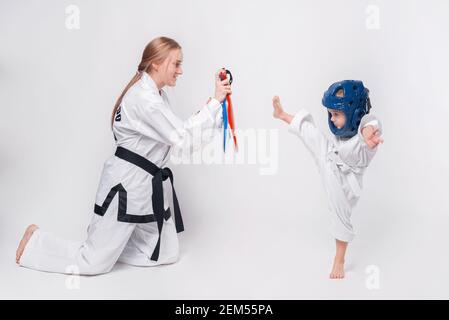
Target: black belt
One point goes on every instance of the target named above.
(159, 175)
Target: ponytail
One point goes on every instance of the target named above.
(155, 52)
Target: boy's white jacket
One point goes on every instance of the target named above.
(146, 125)
(350, 157)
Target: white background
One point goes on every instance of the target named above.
(247, 235)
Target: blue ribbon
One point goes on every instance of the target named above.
(225, 122)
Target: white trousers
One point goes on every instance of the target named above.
(108, 241)
(340, 208)
(340, 199)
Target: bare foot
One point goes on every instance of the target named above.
(27, 235)
(278, 111)
(338, 270)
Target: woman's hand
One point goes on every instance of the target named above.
(371, 135)
(222, 87)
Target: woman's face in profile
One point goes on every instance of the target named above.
(171, 68)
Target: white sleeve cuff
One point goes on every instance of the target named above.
(214, 111)
(299, 117)
(214, 104)
(373, 123)
(369, 120)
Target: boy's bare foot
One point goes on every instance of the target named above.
(278, 111)
(26, 237)
(338, 270)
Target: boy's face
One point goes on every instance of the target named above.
(338, 118)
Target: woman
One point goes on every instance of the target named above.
(132, 221)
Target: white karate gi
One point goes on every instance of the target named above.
(341, 163)
(145, 125)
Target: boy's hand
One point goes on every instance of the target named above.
(371, 135)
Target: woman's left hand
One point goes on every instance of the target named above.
(222, 87)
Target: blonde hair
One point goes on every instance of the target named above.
(155, 52)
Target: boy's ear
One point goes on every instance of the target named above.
(340, 93)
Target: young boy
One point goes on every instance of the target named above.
(343, 159)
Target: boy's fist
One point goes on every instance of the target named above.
(371, 135)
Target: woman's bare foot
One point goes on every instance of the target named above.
(26, 237)
(338, 270)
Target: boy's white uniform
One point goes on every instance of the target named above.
(145, 125)
(341, 163)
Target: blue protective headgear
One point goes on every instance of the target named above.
(354, 103)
